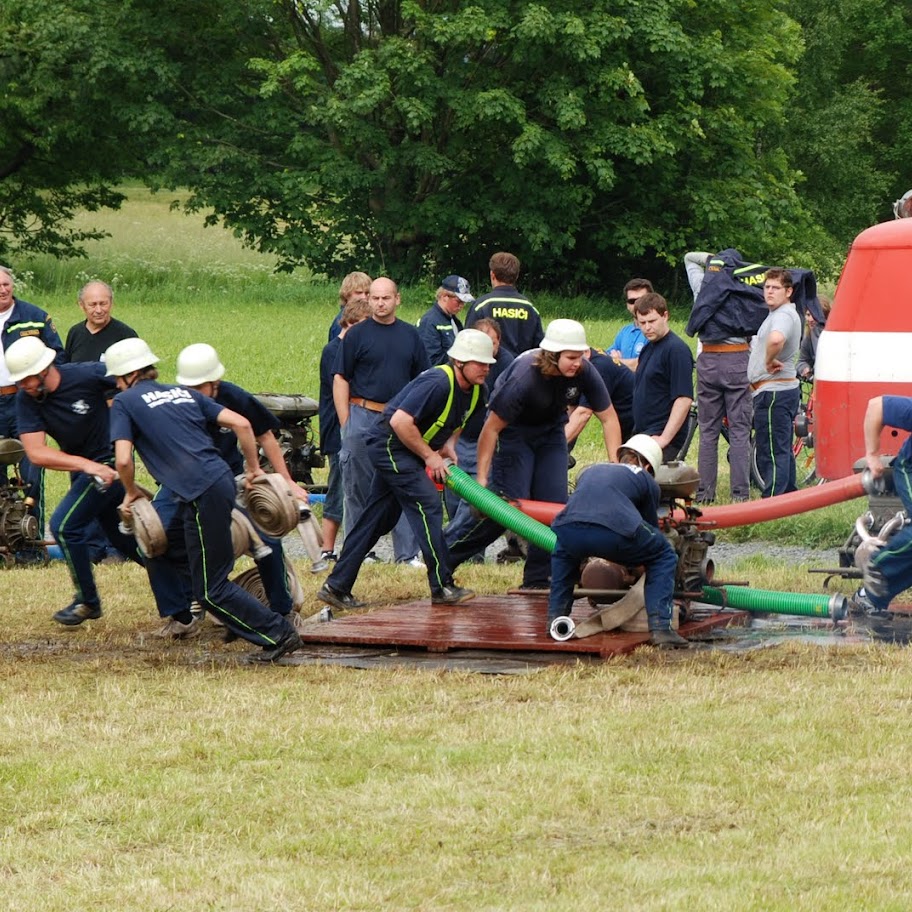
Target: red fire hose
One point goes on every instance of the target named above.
(740, 514)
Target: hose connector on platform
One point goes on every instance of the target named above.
(562, 628)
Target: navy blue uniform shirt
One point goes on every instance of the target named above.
(520, 323)
(330, 429)
(75, 414)
(438, 333)
(379, 359)
(665, 373)
(168, 427)
(234, 397)
(425, 399)
(619, 380)
(613, 495)
(522, 396)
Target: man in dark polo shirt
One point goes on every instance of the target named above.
(88, 341)
(663, 385)
(376, 360)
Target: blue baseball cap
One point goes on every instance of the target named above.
(458, 286)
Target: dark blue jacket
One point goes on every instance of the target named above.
(28, 320)
(731, 303)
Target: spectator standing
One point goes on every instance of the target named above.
(520, 323)
(663, 389)
(20, 319)
(774, 382)
(439, 325)
(722, 393)
(356, 310)
(630, 341)
(376, 360)
(807, 351)
(355, 287)
(89, 340)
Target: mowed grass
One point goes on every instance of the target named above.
(141, 775)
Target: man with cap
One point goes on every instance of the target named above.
(522, 449)
(409, 448)
(69, 403)
(613, 514)
(167, 425)
(19, 319)
(438, 327)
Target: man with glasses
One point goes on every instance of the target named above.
(630, 341)
(773, 379)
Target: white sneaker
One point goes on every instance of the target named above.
(416, 563)
(175, 630)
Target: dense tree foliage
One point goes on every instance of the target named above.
(415, 136)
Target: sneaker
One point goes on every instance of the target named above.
(175, 630)
(73, 615)
(319, 566)
(860, 603)
(668, 639)
(344, 601)
(289, 643)
(451, 595)
(371, 558)
(329, 556)
(416, 563)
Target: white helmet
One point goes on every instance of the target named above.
(27, 357)
(643, 445)
(902, 208)
(565, 335)
(128, 355)
(199, 363)
(472, 345)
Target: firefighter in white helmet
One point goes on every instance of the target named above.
(68, 402)
(613, 514)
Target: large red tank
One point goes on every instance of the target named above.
(866, 348)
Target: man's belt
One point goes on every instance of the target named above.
(727, 347)
(8, 390)
(369, 404)
(759, 383)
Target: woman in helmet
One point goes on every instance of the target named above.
(613, 514)
(525, 426)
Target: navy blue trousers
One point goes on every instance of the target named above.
(894, 560)
(774, 430)
(73, 526)
(206, 524)
(649, 547)
(403, 489)
(531, 463)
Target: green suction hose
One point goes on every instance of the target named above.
(499, 510)
(764, 601)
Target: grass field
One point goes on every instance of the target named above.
(136, 775)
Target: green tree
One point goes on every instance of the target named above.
(410, 136)
(845, 124)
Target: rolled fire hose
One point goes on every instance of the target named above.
(245, 539)
(764, 601)
(272, 506)
(499, 510)
(146, 526)
(251, 581)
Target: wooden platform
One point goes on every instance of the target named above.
(514, 623)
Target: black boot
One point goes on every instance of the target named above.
(668, 639)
